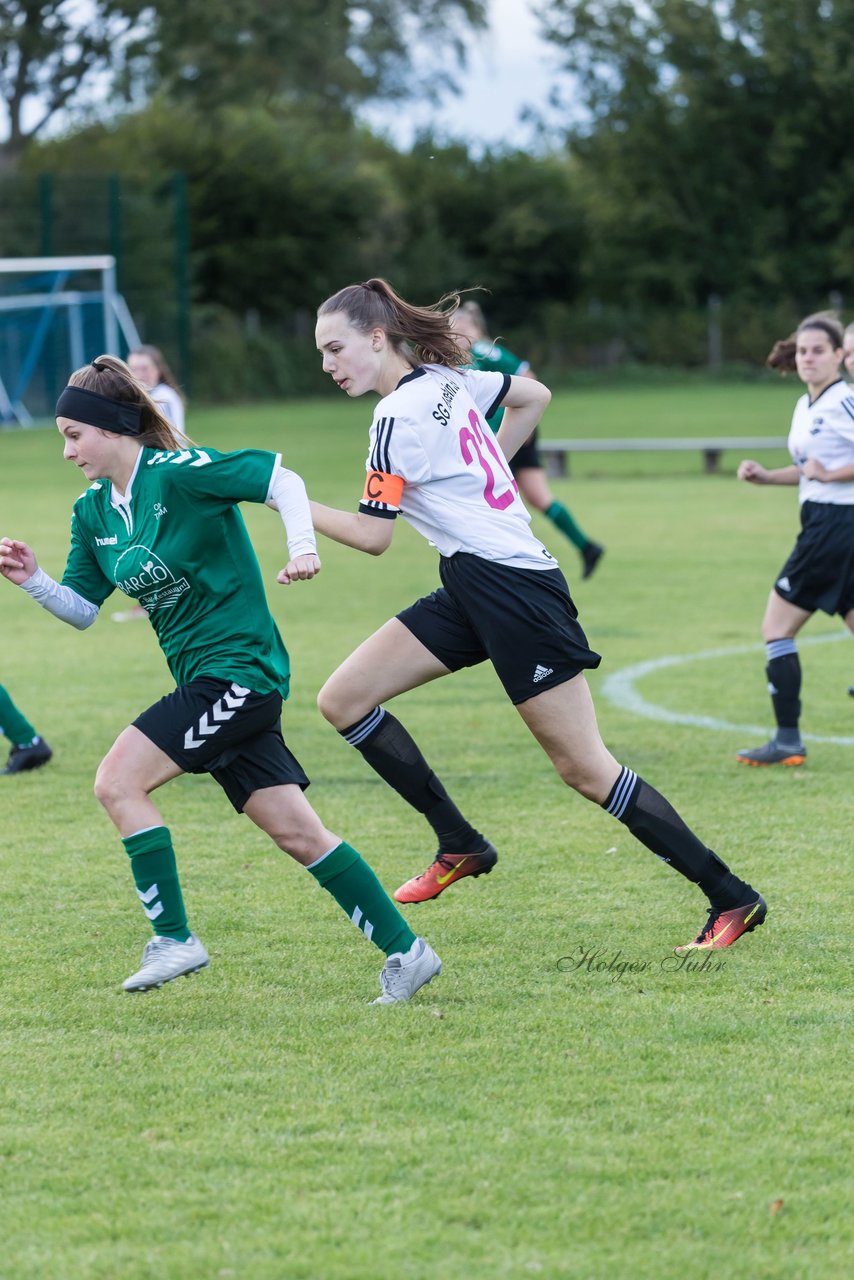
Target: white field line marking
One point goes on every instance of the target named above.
(620, 690)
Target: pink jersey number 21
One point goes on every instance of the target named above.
(475, 438)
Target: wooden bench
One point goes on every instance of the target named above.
(555, 453)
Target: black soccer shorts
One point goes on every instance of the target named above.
(819, 574)
(216, 726)
(522, 620)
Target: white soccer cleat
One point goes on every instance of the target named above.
(401, 977)
(166, 958)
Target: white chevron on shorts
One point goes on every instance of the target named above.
(232, 698)
(235, 696)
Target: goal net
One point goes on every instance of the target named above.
(55, 315)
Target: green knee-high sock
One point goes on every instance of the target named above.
(358, 892)
(16, 727)
(152, 861)
(560, 516)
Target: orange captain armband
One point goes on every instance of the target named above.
(380, 487)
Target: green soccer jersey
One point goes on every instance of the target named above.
(177, 544)
(492, 358)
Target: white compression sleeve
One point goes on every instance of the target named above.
(60, 601)
(287, 495)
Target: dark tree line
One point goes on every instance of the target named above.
(706, 156)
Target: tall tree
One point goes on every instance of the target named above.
(346, 51)
(50, 50)
(715, 140)
(214, 52)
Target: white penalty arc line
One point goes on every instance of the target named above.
(619, 689)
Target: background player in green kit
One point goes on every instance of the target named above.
(469, 323)
(160, 521)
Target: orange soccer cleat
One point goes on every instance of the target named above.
(445, 870)
(723, 928)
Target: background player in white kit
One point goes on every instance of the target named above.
(148, 365)
(162, 523)
(819, 574)
(503, 597)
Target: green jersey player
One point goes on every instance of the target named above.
(526, 466)
(160, 521)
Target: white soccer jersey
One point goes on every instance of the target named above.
(171, 406)
(824, 430)
(434, 460)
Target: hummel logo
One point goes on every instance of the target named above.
(540, 673)
(221, 710)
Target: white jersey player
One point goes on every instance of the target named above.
(819, 573)
(502, 599)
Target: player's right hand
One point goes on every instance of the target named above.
(17, 561)
(752, 471)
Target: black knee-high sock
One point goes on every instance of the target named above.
(396, 757)
(784, 683)
(653, 820)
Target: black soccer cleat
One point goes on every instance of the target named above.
(31, 757)
(590, 557)
(772, 753)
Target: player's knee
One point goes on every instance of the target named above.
(582, 778)
(332, 705)
(107, 788)
(303, 843)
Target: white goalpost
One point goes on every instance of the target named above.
(55, 314)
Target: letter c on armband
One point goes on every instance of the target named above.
(381, 487)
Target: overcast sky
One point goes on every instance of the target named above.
(509, 67)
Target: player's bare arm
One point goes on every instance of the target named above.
(815, 470)
(353, 528)
(754, 473)
(525, 403)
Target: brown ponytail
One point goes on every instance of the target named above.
(782, 355)
(109, 376)
(422, 335)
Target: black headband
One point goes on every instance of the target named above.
(99, 411)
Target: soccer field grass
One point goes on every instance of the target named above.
(539, 1109)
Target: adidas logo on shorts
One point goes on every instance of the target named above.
(784, 584)
(540, 673)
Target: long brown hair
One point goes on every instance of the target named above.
(782, 354)
(109, 376)
(164, 373)
(422, 335)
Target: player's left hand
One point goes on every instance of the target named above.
(300, 569)
(813, 470)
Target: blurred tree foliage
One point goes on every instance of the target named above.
(714, 144)
(707, 156)
(55, 55)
